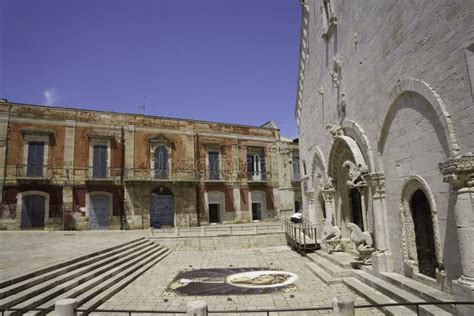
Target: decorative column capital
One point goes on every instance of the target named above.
(459, 171)
(377, 183)
(310, 197)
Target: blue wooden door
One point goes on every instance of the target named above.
(161, 210)
(32, 211)
(35, 159)
(99, 212)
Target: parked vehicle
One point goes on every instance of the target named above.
(297, 217)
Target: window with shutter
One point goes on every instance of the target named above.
(99, 161)
(161, 162)
(213, 165)
(296, 168)
(35, 159)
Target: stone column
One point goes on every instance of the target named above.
(311, 215)
(68, 169)
(382, 258)
(328, 196)
(459, 172)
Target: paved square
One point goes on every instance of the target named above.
(149, 292)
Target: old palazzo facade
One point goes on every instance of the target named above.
(386, 131)
(78, 169)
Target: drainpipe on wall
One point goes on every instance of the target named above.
(5, 159)
(195, 166)
(123, 217)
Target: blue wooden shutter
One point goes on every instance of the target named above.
(35, 159)
(250, 164)
(263, 166)
(214, 166)
(99, 161)
(161, 162)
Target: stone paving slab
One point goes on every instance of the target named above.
(148, 292)
(25, 251)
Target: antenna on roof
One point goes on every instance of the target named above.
(142, 107)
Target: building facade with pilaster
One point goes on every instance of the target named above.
(79, 169)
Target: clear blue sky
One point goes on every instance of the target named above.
(230, 61)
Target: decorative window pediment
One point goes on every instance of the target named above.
(160, 138)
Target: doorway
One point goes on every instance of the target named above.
(33, 211)
(161, 208)
(424, 234)
(99, 212)
(256, 211)
(214, 213)
(356, 207)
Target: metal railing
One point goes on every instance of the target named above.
(415, 305)
(301, 236)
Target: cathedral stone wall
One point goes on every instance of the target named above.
(394, 76)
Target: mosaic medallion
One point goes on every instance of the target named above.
(231, 281)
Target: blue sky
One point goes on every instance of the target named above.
(230, 61)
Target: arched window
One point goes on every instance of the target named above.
(161, 162)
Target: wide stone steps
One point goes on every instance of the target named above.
(419, 289)
(375, 297)
(12, 281)
(86, 263)
(86, 278)
(396, 293)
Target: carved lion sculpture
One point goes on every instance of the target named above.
(330, 232)
(362, 240)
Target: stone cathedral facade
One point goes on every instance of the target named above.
(386, 128)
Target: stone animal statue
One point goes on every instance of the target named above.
(362, 240)
(330, 232)
(355, 174)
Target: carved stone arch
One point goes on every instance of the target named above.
(318, 163)
(344, 144)
(345, 149)
(435, 101)
(353, 129)
(410, 186)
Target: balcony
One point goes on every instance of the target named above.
(98, 175)
(149, 175)
(30, 173)
(258, 177)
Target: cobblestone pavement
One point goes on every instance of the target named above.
(24, 251)
(148, 292)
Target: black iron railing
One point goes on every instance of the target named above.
(415, 305)
(301, 236)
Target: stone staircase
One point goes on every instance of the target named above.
(90, 279)
(381, 288)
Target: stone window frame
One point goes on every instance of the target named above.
(19, 204)
(36, 136)
(258, 173)
(410, 256)
(99, 140)
(156, 142)
(214, 149)
(109, 195)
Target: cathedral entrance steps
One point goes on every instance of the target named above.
(330, 267)
(392, 291)
(341, 259)
(322, 274)
(87, 279)
(417, 288)
(376, 297)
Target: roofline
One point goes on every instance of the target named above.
(299, 79)
(137, 114)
